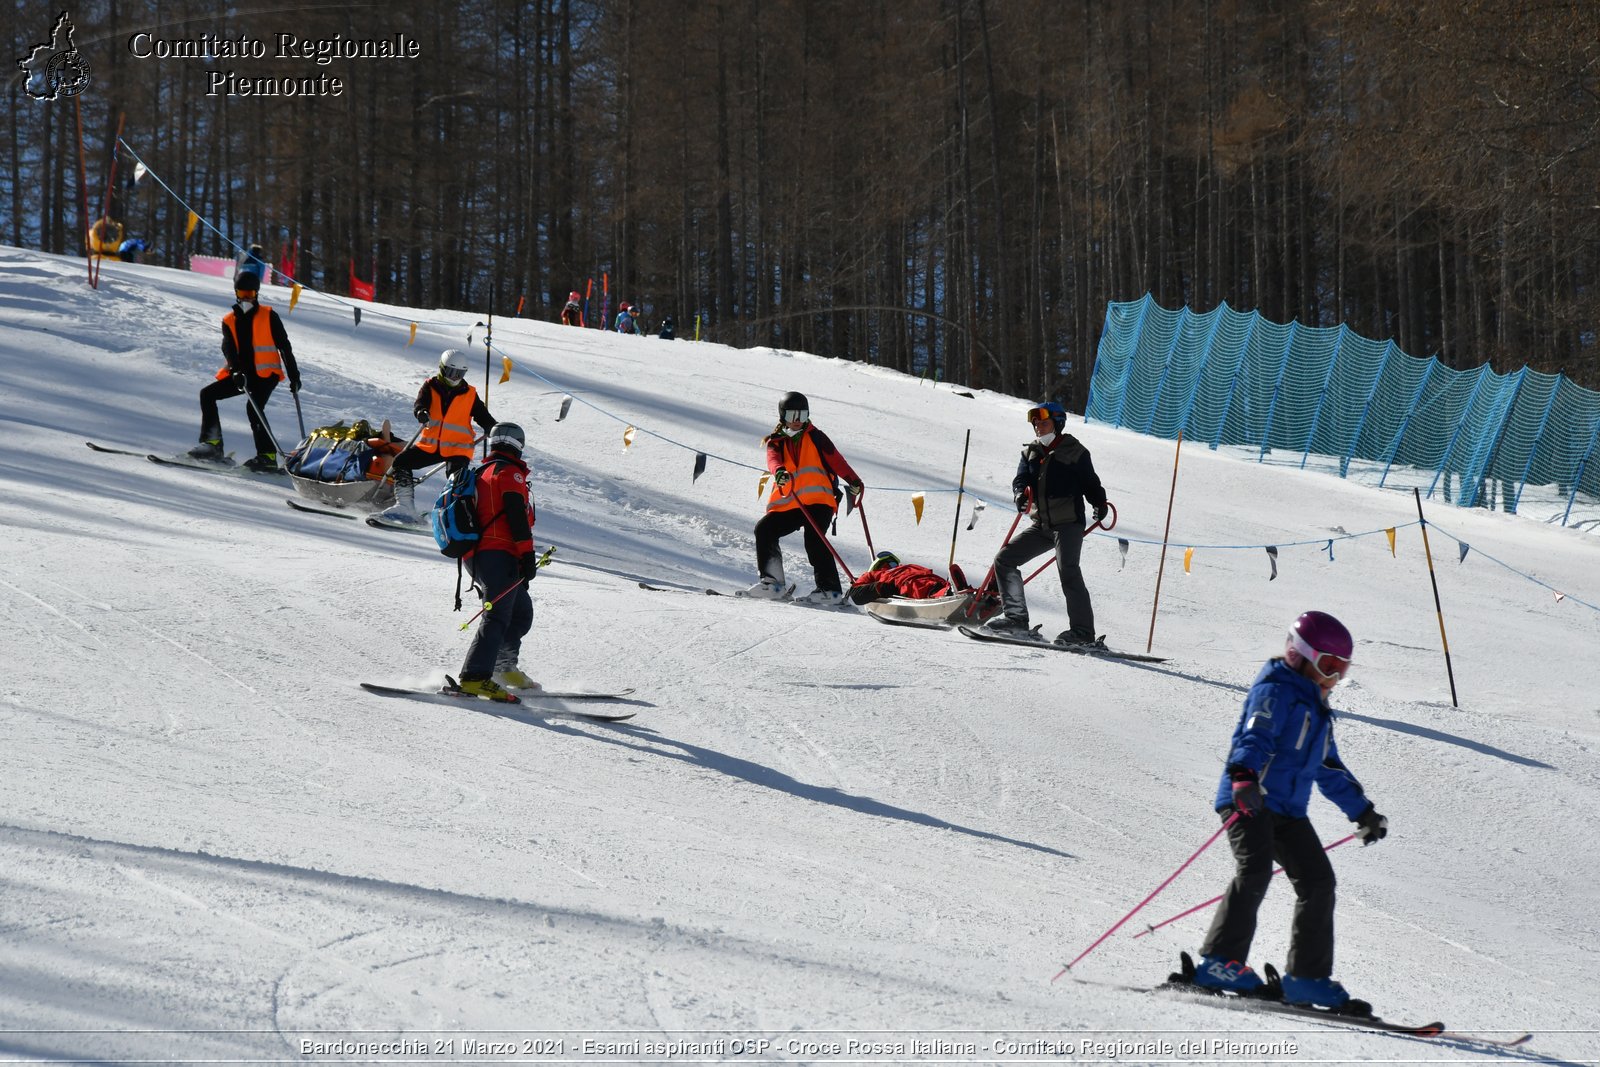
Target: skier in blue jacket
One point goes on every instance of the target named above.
(1282, 746)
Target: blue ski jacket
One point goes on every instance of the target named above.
(1285, 736)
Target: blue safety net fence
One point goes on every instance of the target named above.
(1329, 398)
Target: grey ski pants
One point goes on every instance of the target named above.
(1067, 542)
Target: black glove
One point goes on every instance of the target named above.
(1100, 512)
(421, 414)
(1370, 826)
(530, 567)
(1022, 502)
(236, 380)
(1247, 798)
(294, 386)
(780, 477)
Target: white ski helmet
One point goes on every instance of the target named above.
(507, 435)
(453, 365)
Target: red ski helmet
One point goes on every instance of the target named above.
(572, 297)
(1322, 641)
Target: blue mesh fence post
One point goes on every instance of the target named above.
(1577, 476)
(1105, 339)
(1405, 424)
(1272, 409)
(1538, 435)
(1127, 374)
(1449, 449)
(1505, 424)
(1233, 387)
(1166, 367)
(1317, 418)
(1223, 310)
(1344, 461)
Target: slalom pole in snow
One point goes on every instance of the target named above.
(1184, 866)
(1151, 640)
(1276, 871)
(961, 489)
(1437, 607)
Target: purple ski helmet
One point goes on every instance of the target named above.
(1322, 641)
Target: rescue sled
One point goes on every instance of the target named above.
(345, 466)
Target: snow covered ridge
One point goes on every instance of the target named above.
(815, 827)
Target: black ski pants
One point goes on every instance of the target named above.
(1035, 541)
(260, 389)
(776, 525)
(502, 627)
(1257, 841)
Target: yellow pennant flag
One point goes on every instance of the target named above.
(761, 487)
(1188, 557)
(505, 368)
(188, 229)
(294, 296)
(1390, 534)
(413, 338)
(917, 500)
(627, 437)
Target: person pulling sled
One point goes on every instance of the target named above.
(256, 356)
(806, 469)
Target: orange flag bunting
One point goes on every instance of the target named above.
(413, 338)
(917, 500)
(505, 368)
(294, 295)
(1188, 557)
(627, 437)
(1390, 534)
(188, 229)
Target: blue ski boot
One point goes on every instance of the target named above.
(1315, 993)
(1226, 976)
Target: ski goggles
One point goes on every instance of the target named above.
(795, 415)
(1325, 664)
(1036, 414)
(452, 374)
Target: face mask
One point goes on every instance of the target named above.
(793, 431)
(1046, 437)
(245, 303)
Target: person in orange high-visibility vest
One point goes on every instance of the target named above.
(806, 469)
(447, 407)
(257, 356)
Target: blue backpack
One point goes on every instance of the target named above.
(455, 514)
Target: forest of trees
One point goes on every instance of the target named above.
(951, 187)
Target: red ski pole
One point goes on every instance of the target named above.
(1099, 525)
(1219, 896)
(861, 507)
(812, 523)
(1227, 823)
(988, 579)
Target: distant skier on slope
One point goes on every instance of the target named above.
(1282, 745)
(1054, 477)
(504, 560)
(806, 469)
(256, 356)
(626, 320)
(572, 313)
(447, 406)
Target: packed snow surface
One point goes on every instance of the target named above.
(817, 829)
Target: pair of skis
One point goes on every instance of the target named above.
(225, 465)
(1357, 1014)
(526, 702)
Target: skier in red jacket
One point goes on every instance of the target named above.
(504, 560)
